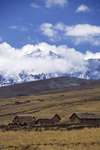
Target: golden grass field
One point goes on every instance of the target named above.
(64, 104)
(85, 139)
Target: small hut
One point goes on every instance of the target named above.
(48, 119)
(24, 120)
(85, 118)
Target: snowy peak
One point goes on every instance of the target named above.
(90, 70)
(35, 54)
(40, 54)
(93, 69)
(54, 55)
(94, 64)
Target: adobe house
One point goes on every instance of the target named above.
(48, 119)
(85, 118)
(24, 120)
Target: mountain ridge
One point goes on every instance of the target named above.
(54, 85)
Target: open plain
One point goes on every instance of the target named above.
(62, 101)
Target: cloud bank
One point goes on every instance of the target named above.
(79, 33)
(14, 60)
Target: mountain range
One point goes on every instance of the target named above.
(91, 69)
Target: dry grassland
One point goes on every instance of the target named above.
(85, 139)
(64, 104)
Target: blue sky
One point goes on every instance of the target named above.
(75, 23)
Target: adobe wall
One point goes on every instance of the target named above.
(28, 121)
(74, 119)
(55, 120)
(90, 121)
(43, 121)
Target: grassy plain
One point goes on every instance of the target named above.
(62, 103)
(85, 139)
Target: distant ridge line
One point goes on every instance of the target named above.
(53, 85)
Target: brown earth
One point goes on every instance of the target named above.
(54, 85)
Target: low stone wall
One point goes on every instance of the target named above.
(68, 127)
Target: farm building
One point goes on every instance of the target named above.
(85, 118)
(24, 120)
(48, 119)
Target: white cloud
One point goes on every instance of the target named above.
(27, 40)
(82, 32)
(50, 3)
(18, 28)
(13, 27)
(48, 30)
(34, 5)
(14, 60)
(89, 39)
(90, 55)
(23, 29)
(83, 8)
(59, 26)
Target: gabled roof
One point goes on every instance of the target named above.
(86, 115)
(47, 116)
(23, 116)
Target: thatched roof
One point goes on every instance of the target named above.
(86, 115)
(23, 116)
(48, 116)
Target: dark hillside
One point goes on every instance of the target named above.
(54, 85)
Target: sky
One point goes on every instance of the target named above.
(72, 25)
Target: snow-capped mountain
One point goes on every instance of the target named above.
(39, 54)
(86, 69)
